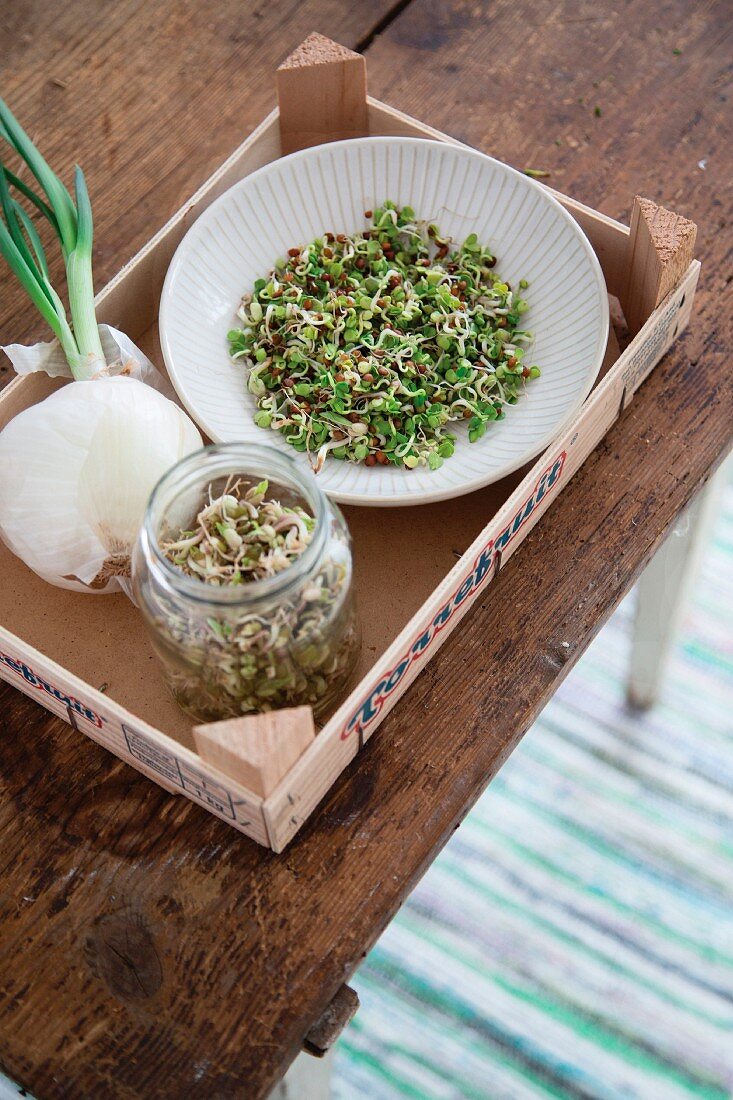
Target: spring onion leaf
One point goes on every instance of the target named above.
(35, 240)
(21, 245)
(36, 199)
(56, 192)
(79, 276)
(15, 227)
(25, 276)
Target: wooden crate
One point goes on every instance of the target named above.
(88, 659)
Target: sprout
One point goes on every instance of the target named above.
(299, 647)
(369, 346)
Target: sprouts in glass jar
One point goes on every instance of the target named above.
(243, 574)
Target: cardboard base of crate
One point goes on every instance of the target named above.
(102, 640)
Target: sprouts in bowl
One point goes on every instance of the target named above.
(298, 199)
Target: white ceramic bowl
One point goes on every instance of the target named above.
(295, 199)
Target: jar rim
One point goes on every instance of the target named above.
(214, 461)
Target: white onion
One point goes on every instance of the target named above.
(77, 471)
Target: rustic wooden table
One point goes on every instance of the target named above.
(147, 949)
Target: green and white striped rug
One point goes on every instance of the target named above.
(575, 938)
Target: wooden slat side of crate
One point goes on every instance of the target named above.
(130, 301)
(157, 756)
(357, 719)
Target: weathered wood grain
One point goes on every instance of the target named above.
(146, 949)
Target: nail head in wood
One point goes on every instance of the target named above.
(258, 749)
(326, 1030)
(661, 247)
(321, 92)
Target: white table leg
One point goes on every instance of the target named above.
(308, 1078)
(663, 590)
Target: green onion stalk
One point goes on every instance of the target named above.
(20, 244)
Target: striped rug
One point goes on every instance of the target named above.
(575, 938)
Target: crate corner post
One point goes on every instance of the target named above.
(661, 248)
(257, 750)
(321, 92)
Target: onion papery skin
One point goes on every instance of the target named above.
(77, 471)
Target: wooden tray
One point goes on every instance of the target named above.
(88, 659)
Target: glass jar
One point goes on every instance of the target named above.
(282, 641)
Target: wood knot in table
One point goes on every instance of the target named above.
(121, 951)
